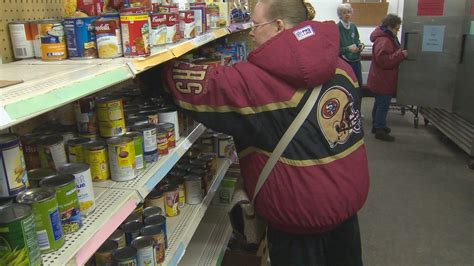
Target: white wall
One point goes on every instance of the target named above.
(327, 10)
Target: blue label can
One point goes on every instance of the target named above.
(80, 37)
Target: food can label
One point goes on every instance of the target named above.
(85, 116)
(162, 142)
(171, 203)
(48, 225)
(109, 38)
(22, 40)
(122, 161)
(85, 192)
(158, 29)
(53, 45)
(13, 176)
(53, 156)
(111, 118)
(80, 37)
(18, 243)
(97, 160)
(76, 153)
(159, 248)
(135, 35)
(187, 24)
(171, 138)
(69, 208)
(171, 27)
(146, 256)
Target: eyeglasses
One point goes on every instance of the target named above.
(256, 25)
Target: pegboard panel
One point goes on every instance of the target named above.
(23, 10)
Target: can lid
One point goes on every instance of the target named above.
(14, 212)
(73, 168)
(51, 140)
(136, 121)
(166, 125)
(40, 173)
(119, 140)
(223, 137)
(192, 178)
(107, 99)
(152, 210)
(144, 127)
(170, 187)
(57, 181)
(8, 139)
(133, 134)
(95, 145)
(125, 253)
(155, 193)
(160, 130)
(35, 195)
(155, 220)
(143, 242)
(151, 230)
(177, 173)
(167, 109)
(133, 217)
(118, 233)
(77, 141)
(6, 201)
(132, 227)
(197, 171)
(108, 246)
(148, 112)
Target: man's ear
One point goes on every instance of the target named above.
(280, 25)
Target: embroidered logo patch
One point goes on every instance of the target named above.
(304, 33)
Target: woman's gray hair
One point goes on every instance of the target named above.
(344, 7)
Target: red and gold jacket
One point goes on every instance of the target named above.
(322, 177)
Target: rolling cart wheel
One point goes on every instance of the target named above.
(416, 122)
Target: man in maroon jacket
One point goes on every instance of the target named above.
(383, 74)
(311, 198)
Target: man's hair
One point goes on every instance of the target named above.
(291, 11)
(344, 7)
(391, 20)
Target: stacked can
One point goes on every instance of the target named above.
(13, 177)
(121, 151)
(95, 154)
(85, 190)
(110, 116)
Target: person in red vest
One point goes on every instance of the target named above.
(312, 195)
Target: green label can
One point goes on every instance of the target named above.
(18, 242)
(138, 141)
(47, 222)
(66, 194)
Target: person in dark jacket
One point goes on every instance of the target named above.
(312, 195)
(383, 74)
(350, 45)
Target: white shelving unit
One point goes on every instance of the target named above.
(210, 239)
(182, 227)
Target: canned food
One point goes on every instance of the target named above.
(110, 116)
(138, 142)
(133, 217)
(38, 174)
(29, 143)
(80, 37)
(177, 177)
(162, 141)
(65, 187)
(156, 233)
(22, 39)
(19, 243)
(136, 121)
(126, 256)
(92, 136)
(209, 138)
(95, 155)
(155, 199)
(199, 18)
(121, 158)
(145, 246)
(172, 24)
(109, 38)
(170, 134)
(150, 149)
(86, 119)
(103, 256)
(171, 194)
(186, 24)
(213, 12)
(67, 135)
(75, 149)
(53, 44)
(118, 236)
(135, 34)
(152, 116)
(13, 177)
(170, 115)
(205, 181)
(225, 146)
(193, 189)
(132, 231)
(47, 222)
(35, 33)
(150, 211)
(85, 190)
(158, 220)
(52, 152)
(158, 29)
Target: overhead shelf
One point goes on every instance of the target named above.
(182, 227)
(210, 239)
(49, 85)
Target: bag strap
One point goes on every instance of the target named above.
(286, 139)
